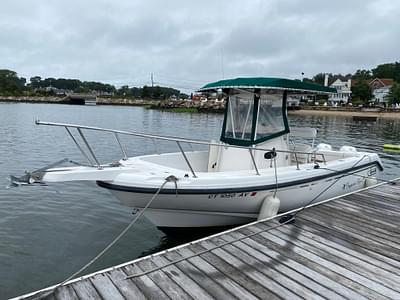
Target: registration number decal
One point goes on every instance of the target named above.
(372, 171)
(232, 195)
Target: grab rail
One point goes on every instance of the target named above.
(178, 140)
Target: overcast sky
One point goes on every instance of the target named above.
(188, 44)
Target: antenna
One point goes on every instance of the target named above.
(222, 64)
(152, 80)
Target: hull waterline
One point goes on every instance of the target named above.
(234, 206)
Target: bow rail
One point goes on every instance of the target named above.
(94, 162)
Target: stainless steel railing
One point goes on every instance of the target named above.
(93, 160)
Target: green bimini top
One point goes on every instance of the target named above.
(268, 83)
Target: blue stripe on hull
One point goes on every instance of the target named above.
(346, 172)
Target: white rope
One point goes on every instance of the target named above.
(170, 178)
(276, 177)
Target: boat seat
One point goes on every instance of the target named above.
(302, 158)
(303, 133)
(297, 137)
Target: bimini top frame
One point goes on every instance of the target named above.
(268, 83)
(256, 107)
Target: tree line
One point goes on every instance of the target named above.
(12, 85)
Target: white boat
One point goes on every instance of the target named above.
(259, 164)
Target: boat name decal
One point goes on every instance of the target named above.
(349, 185)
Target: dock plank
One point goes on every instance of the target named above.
(253, 272)
(354, 219)
(341, 243)
(126, 286)
(85, 290)
(105, 287)
(353, 260)
(329, 261)
(346, 248)
(65, 292)
(370, 203)
(201, 278)
(243, 279)
(216, 275)
(389, 192)
(356, 227)
(193, 289)
(279, 280)
(149, 289)
(302, 273)
(356, 237)
(342, 285)
(164, 282)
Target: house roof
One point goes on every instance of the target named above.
(338, 81)
(380, 82)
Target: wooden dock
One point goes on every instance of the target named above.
(348, 248)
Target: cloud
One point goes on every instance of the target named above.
(186, 44)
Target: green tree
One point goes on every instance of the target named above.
(319, 78)
(157, 92)
(81, 89)
(124, 91)
(10, 83)
(66, 84)
(36, 82)
(334, 77)
(390, 70)
(362, 75)
(136, 92)
(145, 92)
(361, 92)
(49, 82)
(394, 94)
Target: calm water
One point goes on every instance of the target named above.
(47, 233)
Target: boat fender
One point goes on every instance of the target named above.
(269, 207)
(325, 147)
(391, 146)
(348, 149)
(370, 181)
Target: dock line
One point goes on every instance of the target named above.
(170, 178)
(110, 269)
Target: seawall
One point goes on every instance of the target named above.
(196, 106)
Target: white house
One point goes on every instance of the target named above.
(343, 89)
(380, 89)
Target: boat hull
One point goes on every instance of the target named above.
(183, 208)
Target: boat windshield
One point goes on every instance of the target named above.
(252, 118)
(239, 118)
(270, 115)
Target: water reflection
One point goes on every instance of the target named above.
(48, 233)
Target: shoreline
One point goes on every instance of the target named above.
(164, 105)
(346, 113)
(212, 107)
